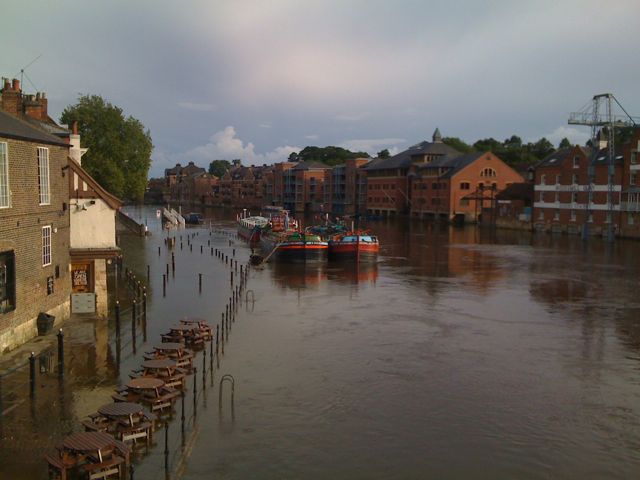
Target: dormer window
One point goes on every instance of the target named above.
(488, 172)
(576, 162)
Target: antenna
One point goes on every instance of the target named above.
(22, 74)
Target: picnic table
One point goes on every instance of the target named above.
(91, 452)
(164, 369)
(190, 333)
(176, 351)
(129, 420)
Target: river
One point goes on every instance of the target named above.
(459, 354)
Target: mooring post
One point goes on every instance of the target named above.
(166, 447)
(164, 285)
(199, 283)
(204, 366)
(144, 305)
(148, 273)
(173, 263)
(191, 247)
(195, 394)
(234, 252)
(131, 471)
(117, 319)
(218, 335)
(159, 249)
(133, 311)
(32, 375)
(201, 249)
(60, 353)
(167, 270)
(180, 245)
(232, 278)
(182, 416)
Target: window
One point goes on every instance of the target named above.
(556, 215)
(634, 157)
(7, 282)
(43, 175)
(488, 172)
(5, 193)
(557, 197)
(573, 215)
(434, 186)
(574, 197)
(465, 186)
(632, 179)
(576, 162)
(558, 179)
(574, 179)
(590, 218)
(543, 179)
(629, 221)
(541, 215)
(46, 245)
(608, 218)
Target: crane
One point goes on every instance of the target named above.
(599, 114)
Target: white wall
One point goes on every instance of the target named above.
(94, 227)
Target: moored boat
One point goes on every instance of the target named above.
(249, 228)
(294, 245)
(354, 246)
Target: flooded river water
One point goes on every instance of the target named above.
(460, 354)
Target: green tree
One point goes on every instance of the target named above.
(328, 155)
(564, 143)
(219, 167)
(119, 154)
(542, 148)
(384, 153)
(488, 145)
(458, 144)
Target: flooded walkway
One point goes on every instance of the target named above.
(459, 355)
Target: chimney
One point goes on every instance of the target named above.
(12, 98)
(35, 106)
(75, 151)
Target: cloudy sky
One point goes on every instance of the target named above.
(259, 79)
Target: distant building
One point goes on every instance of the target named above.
(629, 225)
(178, 173)
(303, 187)
(345, 188)
(388, 185)
(458, 187)
(564, 199)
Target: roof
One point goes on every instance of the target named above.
(48, 126)
(111, 200)
(404, 159)
(453, 163)
(311, 165)
(13, 127)
(558, 157)
(516, 191)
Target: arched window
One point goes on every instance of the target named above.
(488, 172)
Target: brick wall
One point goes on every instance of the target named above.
(21, 231)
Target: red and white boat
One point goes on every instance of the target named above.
(357, 246)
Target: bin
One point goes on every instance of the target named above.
(45, 323)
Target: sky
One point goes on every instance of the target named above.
(259, 79)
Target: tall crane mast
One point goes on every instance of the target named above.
(600, 116)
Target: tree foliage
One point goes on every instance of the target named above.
(219, 167)
(458, 144)
(119, 154)
(564, 143)
(384, 153)
(328, 155)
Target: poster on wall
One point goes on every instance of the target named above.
(80, 278)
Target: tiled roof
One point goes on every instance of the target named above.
(13, 127)
(403, 159)
(453, 163)
(311, 165)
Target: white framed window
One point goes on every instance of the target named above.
(574, 179)
(46, 245)
(543, 179)
(558, 179)
(632, 179)
(576, 162)
(590, 218)
(43, 175)
(630, 218)
(573, 215)
(541, 215)
(556, 215)
(5, 192)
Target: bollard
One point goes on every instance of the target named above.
(234, 252)
(173, 262)
(191, 247)
(32, 375)
(164, 285)
(182, 413)
(117, 319)
(208, 243)
(60, 353)
(204, 366)
(133, 311)
(195, 394)
(231, 278)
(212, 251)
(159, 251)
(144, 305)
(199, 283)
(167, 270)
(180, 245)
(166, 447)
(201, 247)
(218, 335)
(148, 273)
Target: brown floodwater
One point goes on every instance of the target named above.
(459, 354)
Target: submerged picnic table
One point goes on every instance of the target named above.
(166, 370)
(176, 351)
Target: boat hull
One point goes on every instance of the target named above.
(294, 250)
(349, 248)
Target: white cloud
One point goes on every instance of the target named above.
(224, 144)
(312, 136)
(198, 107)
(575, 136)
(265, 125)
(373, 145)
(351, 117)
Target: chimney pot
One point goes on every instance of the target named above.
(16, 84)
(7, 84)
(74, 128)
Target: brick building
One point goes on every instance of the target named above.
(388, 180)
(178, 173)
(303, 187)
(345, 188)
(34, 225)
(564, 199)
(629, 225)
(458, 187)
(244, 187)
